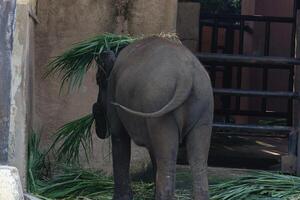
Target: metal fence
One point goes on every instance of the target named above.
(223, 59)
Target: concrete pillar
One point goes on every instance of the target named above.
(152, 16)
(188, 20)
(7, 21)
(15, 52)
(20, 87)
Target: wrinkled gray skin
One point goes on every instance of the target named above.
(159, 95)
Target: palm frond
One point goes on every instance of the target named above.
(36, 164)
(258, 186)
(73, 183)
(73, 64)
(71, 137)
(76, 183)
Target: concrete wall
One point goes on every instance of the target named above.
(152, 16)
(45, 29)
(63, 23)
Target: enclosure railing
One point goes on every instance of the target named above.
(222, 59)
(231, 23)
(209, 59)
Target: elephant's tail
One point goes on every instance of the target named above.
(182, 91)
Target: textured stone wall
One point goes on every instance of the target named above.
(63, 23)
(152, 16)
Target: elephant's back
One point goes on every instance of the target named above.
(146, 72)
(148, 55)
(151, 54)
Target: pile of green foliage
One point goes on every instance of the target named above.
(259, 185)
(73, 182)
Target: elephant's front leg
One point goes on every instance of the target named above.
(121, 161)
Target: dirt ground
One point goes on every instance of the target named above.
(244, 152)
(247, 152)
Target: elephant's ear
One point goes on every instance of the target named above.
(99, 112)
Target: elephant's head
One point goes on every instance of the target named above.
(105, 65)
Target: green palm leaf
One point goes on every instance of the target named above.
(36, 164)
(73, 64)
(71, 137)
(260, 185)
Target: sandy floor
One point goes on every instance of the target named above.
(245, 152)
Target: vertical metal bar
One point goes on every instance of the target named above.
(241, 37)
(296, 106)
(292, 115)
(214, 48)
(293, 36)
(290, 101)
(265, 70)
(239, 69)
(229, 39)
(267, 38)
(291, 69)
(7, 21)
(214, 39)
(200, 33)
(227, 73)
(200, 37)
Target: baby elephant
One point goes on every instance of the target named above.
(156, 93)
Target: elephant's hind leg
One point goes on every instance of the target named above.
(163, 134)
(198, 143)
(154, 166)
